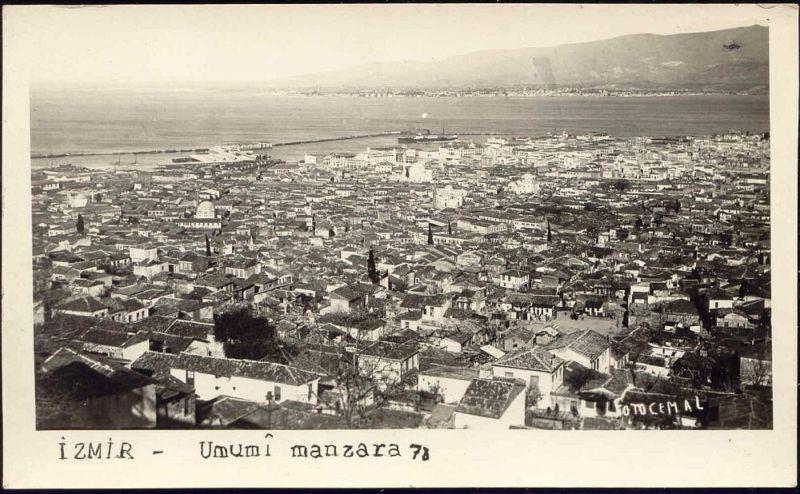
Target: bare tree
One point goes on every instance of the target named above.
(437, 392)
(362, 385)
(532, 395)
(638, 343)
(757, 368)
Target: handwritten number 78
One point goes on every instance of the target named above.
(418, 448)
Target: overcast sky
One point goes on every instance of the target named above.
(152, 44)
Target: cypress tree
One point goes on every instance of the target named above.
(208, 247)
(549, 233)
(449, 228)
(430, 234)
(79, 224)
(372, 273)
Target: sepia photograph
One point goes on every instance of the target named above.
(530, 237)
(477, 218)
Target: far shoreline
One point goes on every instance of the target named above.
(202, 147)
(150, 165)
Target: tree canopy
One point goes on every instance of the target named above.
(620, 184)
(245, 335)
(79, 225)
(372, 272)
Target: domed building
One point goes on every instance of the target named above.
(525, 185)
(206, 210)
(418, 173)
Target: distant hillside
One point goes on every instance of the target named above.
(728, 58)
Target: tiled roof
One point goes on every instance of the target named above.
(155, 323)
(413, 301)
(64, 356)
(346, 293)
(288, 415)
(103, 337)
(156, 362)
(461, 373)
(264, 371)
(113, 377)
(62, 330)
(588, 343)
(617, 382)
(171, 343)
(489, 397)
(225, 410)
(534, 359)
(365, 323)
(190, 329)
(83, 304)
(384, 349)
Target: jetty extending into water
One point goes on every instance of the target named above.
(342, 138)
(122, 153)
(205, 150)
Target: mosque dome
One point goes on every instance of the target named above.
(206, 210)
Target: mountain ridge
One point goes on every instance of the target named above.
(736, 57)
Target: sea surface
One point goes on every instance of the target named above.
(104, 121)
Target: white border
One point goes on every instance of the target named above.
(458, 458)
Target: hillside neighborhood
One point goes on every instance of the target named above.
(553, 282)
